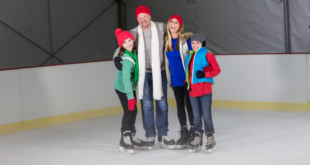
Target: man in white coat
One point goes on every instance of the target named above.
(149, 37)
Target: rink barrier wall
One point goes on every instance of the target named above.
(253, 105)
(78, 116)
(60, 119)
(50, 95)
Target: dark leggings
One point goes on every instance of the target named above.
(180, 96)
(129, 117)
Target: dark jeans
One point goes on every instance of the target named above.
(129, 117)
(202, 110)
(181, 95)
(147, 105)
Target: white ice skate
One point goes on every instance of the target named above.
(166, 142)
(149, 143)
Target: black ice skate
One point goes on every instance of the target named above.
(166, 142)
(191, 135)
(195, 145)
(210, 146)
(138, 143)
(149, 143)
(184, 135)
(125, 143)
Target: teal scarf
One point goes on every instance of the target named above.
(134, 56)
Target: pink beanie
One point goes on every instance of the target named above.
(121, 36)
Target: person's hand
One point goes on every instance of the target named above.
(117, 63)
(131, 104)
(201, 74)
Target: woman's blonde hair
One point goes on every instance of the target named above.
(169, 46)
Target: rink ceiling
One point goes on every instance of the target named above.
(31, 19)
(230, 26)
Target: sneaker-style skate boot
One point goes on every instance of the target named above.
(184, 135)
(136, 142)
(191, 135)
(125, 143)
(166, 142)
(195, 145)
(149, 143)
(210, 146)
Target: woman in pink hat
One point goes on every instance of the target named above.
(125, 86)
(177, 46)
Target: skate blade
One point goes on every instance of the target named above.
(149, 148)
(211, 150)
(162, 145)
(141, 147)
(126, 151)
(195, 150)
(181, 146)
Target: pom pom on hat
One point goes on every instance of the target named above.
(118, 31)
(121, 36)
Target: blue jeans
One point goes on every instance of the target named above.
(202, 110)
(147, 105)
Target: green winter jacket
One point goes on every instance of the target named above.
(125, 78)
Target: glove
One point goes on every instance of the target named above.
(131, 104)
(117, 63)
(185, 86)
(200, 74)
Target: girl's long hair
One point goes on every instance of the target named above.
(169, 46)
(122, 50)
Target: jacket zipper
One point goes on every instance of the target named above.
(188, 83)
(194, 65)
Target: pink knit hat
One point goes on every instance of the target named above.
(121, 36)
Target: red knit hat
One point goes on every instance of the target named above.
(177, 17)
(121, 36)
(142, 9)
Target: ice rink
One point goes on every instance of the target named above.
(244, 137)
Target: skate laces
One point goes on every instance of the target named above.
(167, 138)
(180, 133)
(150, 139)
(210, 140)
(182, 130)
(196, 141)
(126, 139)
(135, 139)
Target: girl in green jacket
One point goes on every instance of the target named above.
(125, 86)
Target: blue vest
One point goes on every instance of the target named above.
(200, 62)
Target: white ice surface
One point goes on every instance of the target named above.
(244, 137)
